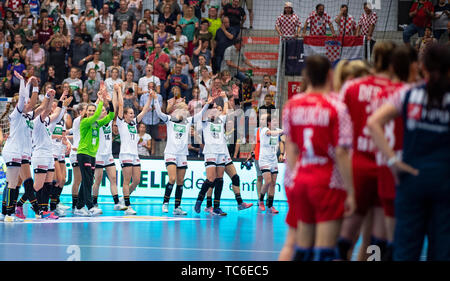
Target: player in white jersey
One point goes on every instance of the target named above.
(230, 170)
(176, 151)
(268, 160)
(42, 158)
(75, 136)
(215, 152)
(128, 156)
(20, 120)
(105, 160)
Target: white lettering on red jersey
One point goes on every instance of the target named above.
(358, 95)
(317, 139)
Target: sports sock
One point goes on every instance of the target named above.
(16, 195)
(74, 201)
(9, 201)
(261, 197)
(116, 199)
(95, 200)
(168, 192)
(178, 195)
(52, 193)
(218, 186)
(343, 247)
(325, 254)
(303, 254)
(269, 201)
(205, 186)
(127, 200)
(238, 198)
(58, 191)
(208, 201)
(41, 199)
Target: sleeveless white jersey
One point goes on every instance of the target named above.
(177, 136)
(105, 140)
(268, 146)
(20, 132)
(129, 137)
(214, 136)
(76, 132)
(42, 138)
(58, 146)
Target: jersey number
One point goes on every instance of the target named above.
(307, 142)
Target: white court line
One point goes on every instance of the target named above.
(144, 248)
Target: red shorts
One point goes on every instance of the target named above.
(365, 182)
(314, 200)
(386, 190)
(291, 218)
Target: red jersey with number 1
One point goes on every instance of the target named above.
(358, 95)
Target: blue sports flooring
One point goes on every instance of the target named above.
(246, 235)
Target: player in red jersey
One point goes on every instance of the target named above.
(358, 95)
(404, 66)
(318, 142)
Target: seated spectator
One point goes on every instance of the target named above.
(113, 80)
(149, 77)
(35, 57)
(161, 36)
(92, 85)
(195, 105)
(202, 50)
(265, 88)
(177, 79)
(145, 141)
(421, 13)
(115, 64)
(97, 65)
(426, 41)
(181, 41)
(75, 83)
(136, 65)
(168, 18)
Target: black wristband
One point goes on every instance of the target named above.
(110, 106)
(60, 103)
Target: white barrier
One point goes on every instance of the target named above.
(154, 178)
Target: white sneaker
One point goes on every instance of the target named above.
(165, 207)
(119, 207)
(179, 212)
(60, 212)
(94, 211)
(130, 212)
(81, 212)
(12, 219)
(63, 207)
(121, 201)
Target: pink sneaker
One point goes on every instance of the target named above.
(49, 216)
(209, 210)
(272, 210)
(244, 206)
(19, 213)
(261, 206)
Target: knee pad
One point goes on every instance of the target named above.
(235, 180)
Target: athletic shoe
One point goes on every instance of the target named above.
(209, 210)
(12, 219)
(244, 206)
(262, 208)
(130, 212)
(122, 201)
(197, 207)
(60, 210)
(94, 211)
(165, 207)
(49, 216)
(272, 210)
(179, 212)
(81, 212)
(61, 206)
(119, 207)
(19, 213)
(219, 212)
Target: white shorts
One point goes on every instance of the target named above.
(268, 166)
(173, 159)
(258, 170)
(103, 161)
(26, 158)
(12, 159)
(228, 160)
(127, 160)
(73, 158)
(42, 164)
(59, 157)
(215, 160)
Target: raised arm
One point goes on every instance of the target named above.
(158, 111)
(118, 89)
(144, 111)
(203, 111)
